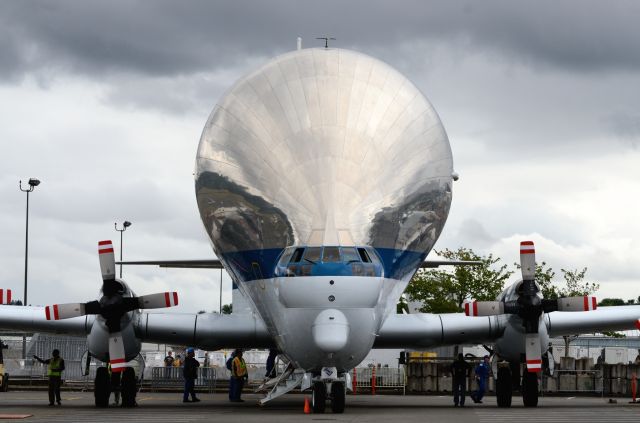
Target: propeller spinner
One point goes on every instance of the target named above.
(529, 306)
(112, 306)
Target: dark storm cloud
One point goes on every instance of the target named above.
(169, 38)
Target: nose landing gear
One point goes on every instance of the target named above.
(337, 396)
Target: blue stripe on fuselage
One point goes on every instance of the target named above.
(262, 264)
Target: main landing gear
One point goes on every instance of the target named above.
(104, 384)
(333, 391)
(509, 378)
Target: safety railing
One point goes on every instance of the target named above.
(171, 377)
(372, 378)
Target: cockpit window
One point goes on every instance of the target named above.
(297, 255)
(331, 255)
(364, 256)
(312, 255)
(350, 255)
(286, 256)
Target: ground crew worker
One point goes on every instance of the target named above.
(271, 364)
(238, 374)
(54, 371)
(460, 372)
(178, 361)
(482, 370)
(190, 373)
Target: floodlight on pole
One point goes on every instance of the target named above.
(31, 185)
(125, 225)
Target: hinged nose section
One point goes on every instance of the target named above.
(330, 330)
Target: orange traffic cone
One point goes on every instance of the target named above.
(307, 406)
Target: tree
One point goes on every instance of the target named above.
(575, 286)
(227, 309)
(442, 291)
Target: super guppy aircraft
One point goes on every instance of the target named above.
(323, 180)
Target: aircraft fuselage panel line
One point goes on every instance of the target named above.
(603, 319)
(423, 330)
(34, 319)
(207, 331)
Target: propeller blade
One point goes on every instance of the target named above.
(64, 311)
(107, 260)
(577, 304)
(116, 353)
(532, 350)
(5, 296)
(484, 308)
(527, 260)
(161, 300)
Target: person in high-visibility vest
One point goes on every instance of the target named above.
(238, 374)
(54, 371)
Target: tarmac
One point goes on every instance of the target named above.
(168, 407)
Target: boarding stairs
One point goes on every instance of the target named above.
(283, 383)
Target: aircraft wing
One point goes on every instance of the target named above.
(34, 319)
(432, 264)
(183, 264)
(422, 330)
(602, 319)
(207, 330)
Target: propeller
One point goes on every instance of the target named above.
(529, 306)
(5, 296)
(112, 306)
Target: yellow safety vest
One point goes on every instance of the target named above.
(54, 367)
(239, 367)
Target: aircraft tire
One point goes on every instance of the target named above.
(128, 387)
(319, 397)
(338, 397)
(504, 387)
(530, 389)
(102, 387)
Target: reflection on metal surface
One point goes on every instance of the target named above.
(323, 147)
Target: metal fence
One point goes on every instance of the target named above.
(385, 377)
(171, 377)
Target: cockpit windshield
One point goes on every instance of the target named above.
(329, 260)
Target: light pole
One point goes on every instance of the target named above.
(125, 225)
(31, 186)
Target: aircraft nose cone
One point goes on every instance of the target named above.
(330, 330)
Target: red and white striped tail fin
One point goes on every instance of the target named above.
(116, 353)
(586, 303)
(160, 300)
(532, 350)
(527, 260)
(5, 296)
(107, 260)
(64, 311)
(483, 308)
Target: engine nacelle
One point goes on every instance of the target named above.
(98, 339)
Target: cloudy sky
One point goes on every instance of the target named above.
(105, 102)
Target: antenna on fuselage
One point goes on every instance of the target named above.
(326, 40)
